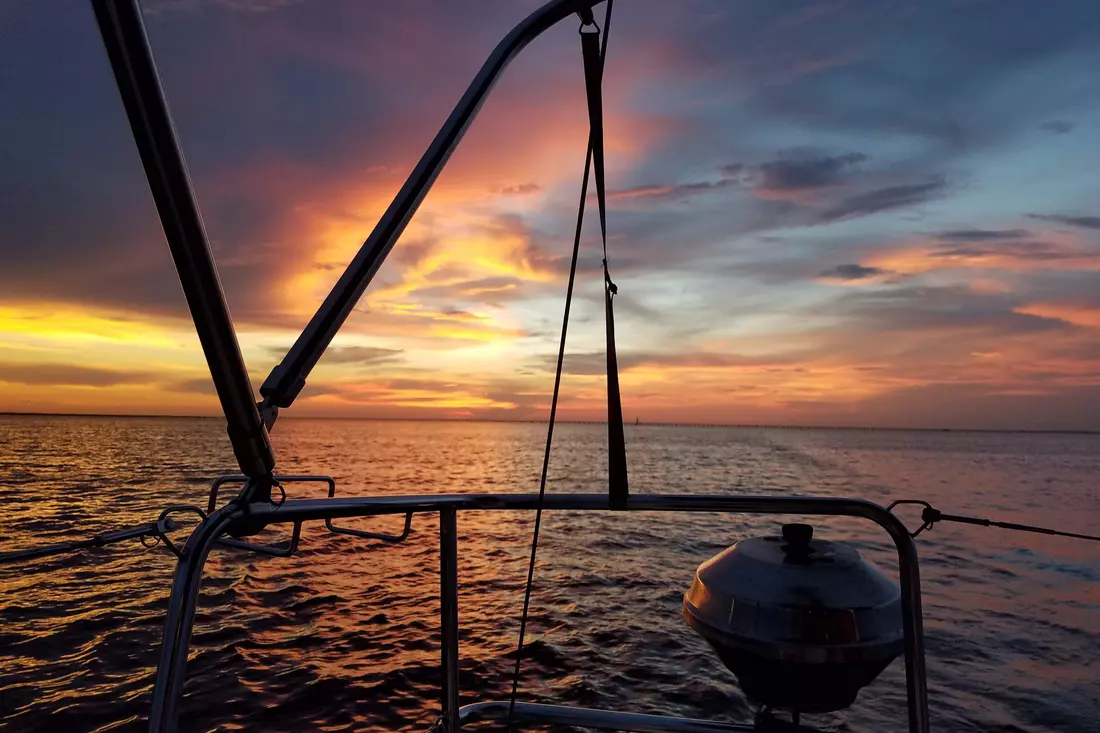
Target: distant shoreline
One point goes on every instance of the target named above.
(1021, 431)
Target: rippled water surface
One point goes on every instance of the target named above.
(344, 636)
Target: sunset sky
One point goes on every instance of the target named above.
(828, 213)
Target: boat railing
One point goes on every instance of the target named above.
(127, 44)
(238, 518)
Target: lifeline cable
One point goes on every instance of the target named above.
(143, 532)
(930, 515)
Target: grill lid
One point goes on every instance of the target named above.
(797, 598)
(803, 623)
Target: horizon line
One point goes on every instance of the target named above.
(759, 426)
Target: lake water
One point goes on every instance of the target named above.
(344, 635)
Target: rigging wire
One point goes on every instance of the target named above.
(556, 392)
(149, 534)
(930, 515)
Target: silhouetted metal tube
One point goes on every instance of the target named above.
(127, 45)
(538, 714)
(448, 615)
(181, 604)
(287, 379)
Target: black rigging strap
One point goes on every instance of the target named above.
(593, 142)
(618, 488)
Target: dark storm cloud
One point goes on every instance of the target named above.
(521, 189)
(205, 386)
(916, 308)
(796, 188)
(792, 172)
(349, 354)
(272, 108)
(70, 375)
(983, 406)
(927, 70)
(595, 363)
(1084, 222)
(632, 305)
(414, 251)
(883, 199)
(981, 235)
(195, 386)
(851, 272)
(79, 221)
(281, 111)
(1080, 286)
(518, 394)
(671, 192)
(908, 115)
(1058, 127)
(155, 7)
(295, 86)
(361, 355)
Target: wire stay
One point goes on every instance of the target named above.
(930, 516)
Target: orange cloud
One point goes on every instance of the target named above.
(63, 323)
(446, 301)
(1049, 250)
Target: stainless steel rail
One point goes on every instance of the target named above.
(289, 376)
(527, 712)
(182, 604)
(132, 63)
(448, 614)
(127, 44)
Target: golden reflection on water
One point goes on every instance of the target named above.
(345, 634)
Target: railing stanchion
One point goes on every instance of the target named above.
(448, 615)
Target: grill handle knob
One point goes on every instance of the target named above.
(797, 535)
